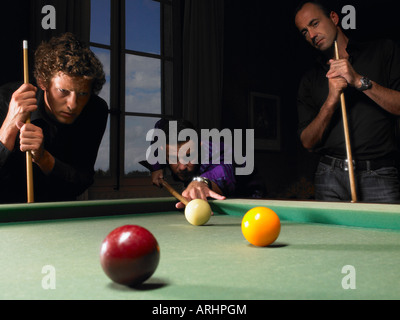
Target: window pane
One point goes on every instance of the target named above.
(100, 21)
(143, 85)
(102, 165)
(104, 56)
(136, 129)
(143, 25)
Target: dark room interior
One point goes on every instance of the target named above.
(107, 191)
(262, 55)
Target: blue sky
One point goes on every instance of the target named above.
(142, 24)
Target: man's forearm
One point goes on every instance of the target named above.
(314, 132)
(386, 98)
(46, 162)
(8, 134)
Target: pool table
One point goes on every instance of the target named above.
(324, 251)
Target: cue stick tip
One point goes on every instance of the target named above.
(25, 44)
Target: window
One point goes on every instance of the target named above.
(133, 39)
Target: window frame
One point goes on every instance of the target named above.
(117, 185)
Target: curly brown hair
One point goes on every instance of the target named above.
(65, 53)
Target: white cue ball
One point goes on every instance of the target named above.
(198, 212)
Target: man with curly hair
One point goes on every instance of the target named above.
(68, 120)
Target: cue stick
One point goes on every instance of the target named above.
(174, 192)
(347, 139)
(170, 189)
(29, 172)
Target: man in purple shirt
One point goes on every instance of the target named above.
(202, 180)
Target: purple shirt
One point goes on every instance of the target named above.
(222, 174)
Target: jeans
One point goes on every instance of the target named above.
(381, 185)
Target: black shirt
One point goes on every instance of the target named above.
(73, 146)
(372, 129)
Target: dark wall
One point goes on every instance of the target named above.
(14, 26)
(265, 53)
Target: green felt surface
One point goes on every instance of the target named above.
(381, 216)
(78, 209)
(208, 262)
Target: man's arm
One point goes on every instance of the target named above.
(314, 132)
(386, 98)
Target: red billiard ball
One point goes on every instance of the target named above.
(129, 255)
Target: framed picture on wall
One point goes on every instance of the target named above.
(265, 120)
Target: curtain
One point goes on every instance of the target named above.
(71, 16)
(203, 28)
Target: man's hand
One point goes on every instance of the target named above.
(32, 139)
(342, 68)
(198, 190)
(156, 177)
(340, 75)
(23, 102)
(336, 87)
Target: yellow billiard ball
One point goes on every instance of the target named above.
(261, 226)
